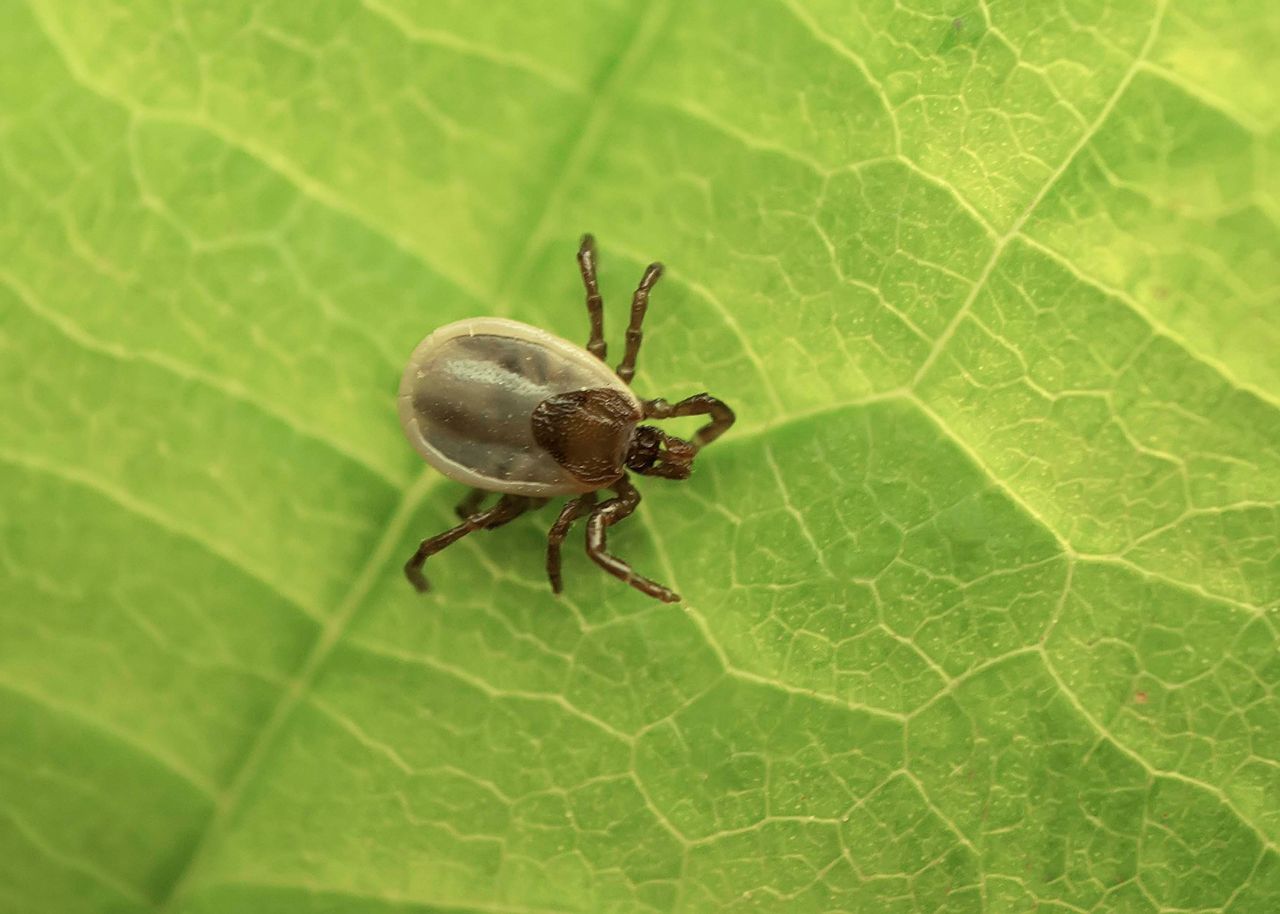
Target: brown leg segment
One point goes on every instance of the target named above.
(639, 304)
(560, 529)
(698, 405)
(508, 508)
(470, 503)
(606, 515)
(595, 304)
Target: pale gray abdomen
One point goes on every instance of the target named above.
(468, 395)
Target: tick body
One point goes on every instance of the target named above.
(469, 396)
(510, 409)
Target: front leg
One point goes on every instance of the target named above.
(595, 304)
(605, 516)
(698, 405)
(635, 332)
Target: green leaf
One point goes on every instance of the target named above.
(981, 593)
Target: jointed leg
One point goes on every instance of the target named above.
(560, 529)
(595, 304)
(605, 516)
(470, 503)
(698, 405)
(639, 304)
(508, 508)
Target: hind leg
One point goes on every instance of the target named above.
(508, 508)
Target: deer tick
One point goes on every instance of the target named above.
(512, 410)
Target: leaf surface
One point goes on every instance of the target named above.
(981, 592)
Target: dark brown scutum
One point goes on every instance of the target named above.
(587, 432)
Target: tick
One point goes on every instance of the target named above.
(517, 412)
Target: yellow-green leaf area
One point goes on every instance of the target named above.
(980, 593)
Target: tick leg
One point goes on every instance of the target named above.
(508, 508)
(560, 529)
(698, 405)
(470, 503)
(639, 304)
(595, 304)
(605, 516)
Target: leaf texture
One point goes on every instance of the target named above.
(981, 594)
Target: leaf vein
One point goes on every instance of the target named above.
(310, 187)
(176, 767)
(1216, 792)
(1157, 327)
(413, 495)
(139, 508)
(230, 390)
(84, 867)
(1001, 243)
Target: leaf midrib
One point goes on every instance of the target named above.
(580, 138)
(598, 110)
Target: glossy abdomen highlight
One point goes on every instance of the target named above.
(468, 395)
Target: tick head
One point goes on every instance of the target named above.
(655, 453)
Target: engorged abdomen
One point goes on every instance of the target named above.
(466, 402)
